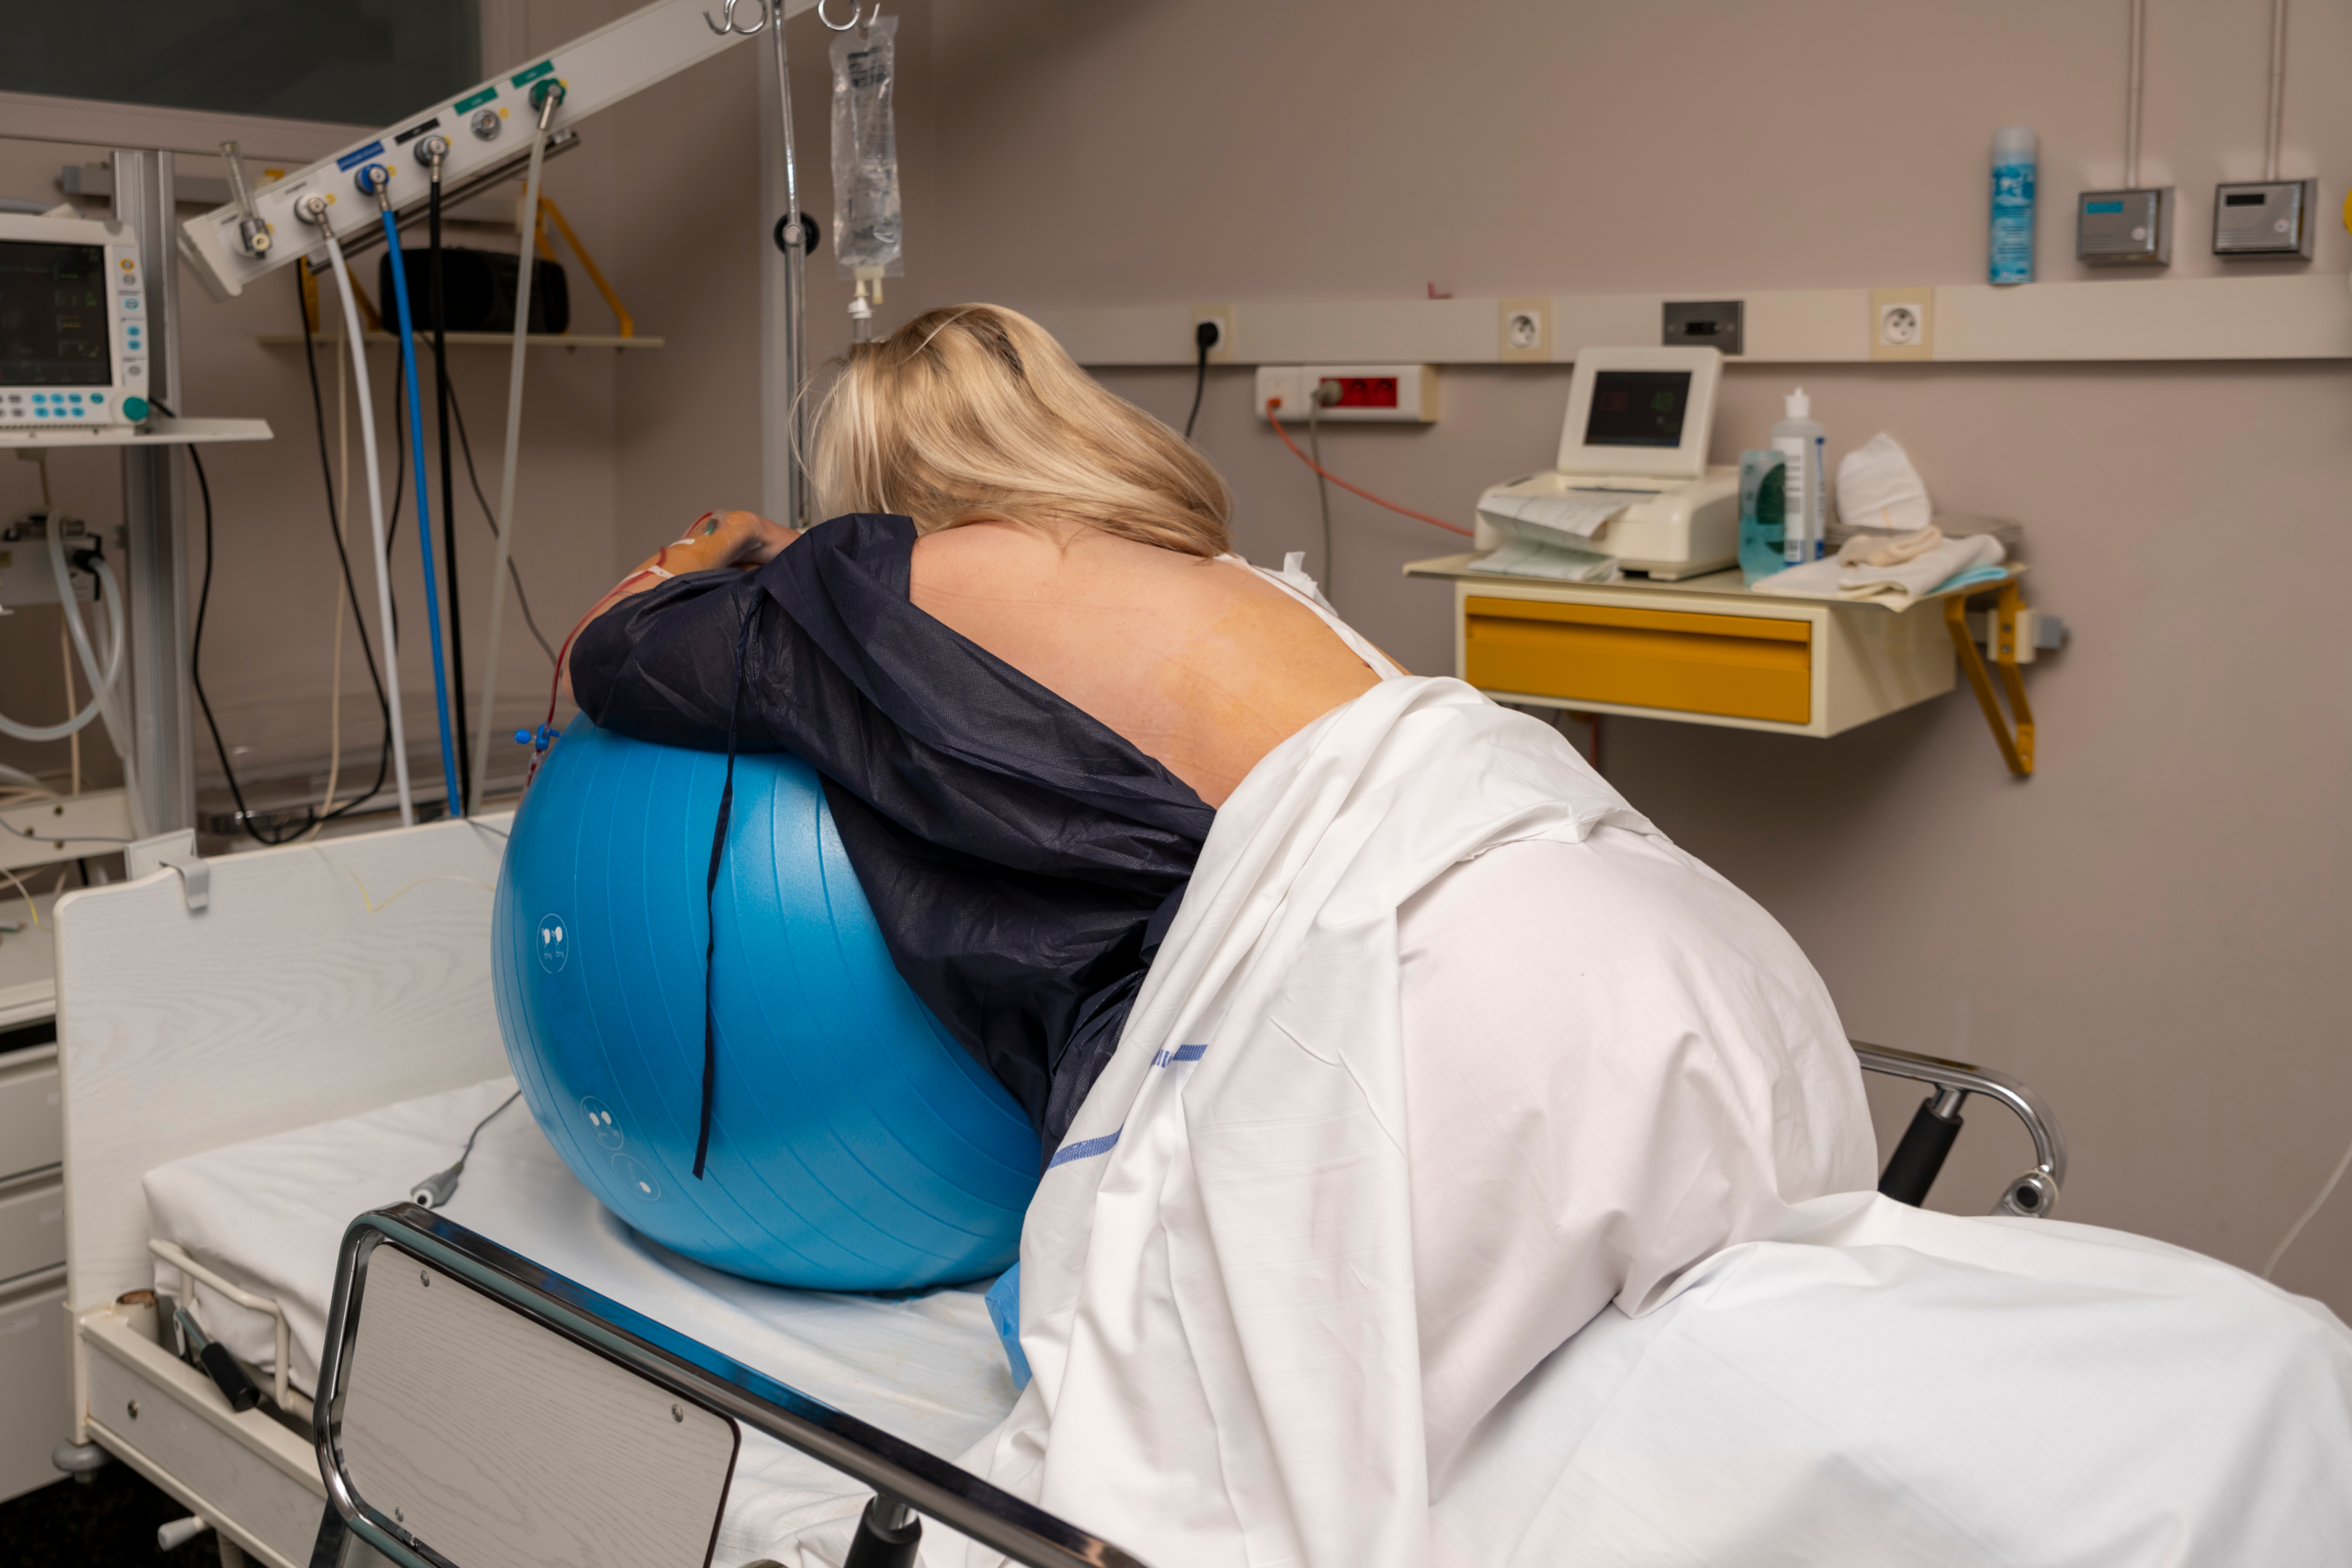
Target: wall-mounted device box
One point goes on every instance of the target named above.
(1359, 395)
(75, 302)
(1717, 324)
(2124, 228)
(2264, 217)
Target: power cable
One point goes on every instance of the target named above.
(1205, 337)
(433, 303)
(490, 519)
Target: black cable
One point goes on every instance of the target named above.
(438, 1189)
(490, 519)
(1205, 337)
(196, 658)
(334, 528)
(448, 498)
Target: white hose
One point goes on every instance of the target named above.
(507, 484)
(376, 516)
(46, 732)
(108, 694)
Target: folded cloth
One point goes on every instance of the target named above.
(1877, 487)
(1889, 549)
(1894, 586)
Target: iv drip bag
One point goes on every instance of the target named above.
(866, 213)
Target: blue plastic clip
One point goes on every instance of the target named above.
(538, 739)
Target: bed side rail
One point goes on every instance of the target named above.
(1920, 1155)
(632, 1427)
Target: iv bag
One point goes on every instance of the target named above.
(866, 213)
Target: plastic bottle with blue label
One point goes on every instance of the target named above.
(2014, 151)
(1800, 439)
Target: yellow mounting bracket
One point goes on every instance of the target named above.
(548, 212)
(2017, 749)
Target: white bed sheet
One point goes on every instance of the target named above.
(269, 1216)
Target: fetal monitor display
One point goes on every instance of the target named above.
(1638, 408)
(53, 323)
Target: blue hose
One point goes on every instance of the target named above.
(423, 520)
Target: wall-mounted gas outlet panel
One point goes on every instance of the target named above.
(2124, 228)
(1358, 394)
(1718, 324)
(2264, 217)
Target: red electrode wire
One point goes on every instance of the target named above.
(555, 687)
(1273, 404)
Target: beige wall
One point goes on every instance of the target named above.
(2144, 930)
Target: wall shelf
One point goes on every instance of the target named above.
(156, 431)
(469, 340)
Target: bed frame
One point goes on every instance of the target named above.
(208, 1003)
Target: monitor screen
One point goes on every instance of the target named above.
(1638, 408)
(53, 321)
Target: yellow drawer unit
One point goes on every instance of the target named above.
(1701, 651)
(1739, 666)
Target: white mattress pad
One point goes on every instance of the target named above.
(269, 1216)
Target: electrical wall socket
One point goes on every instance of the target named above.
(1902, 323)
(1524, 329)
(1221, 353)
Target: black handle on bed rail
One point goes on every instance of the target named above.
(910, 1479)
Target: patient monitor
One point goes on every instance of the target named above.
(73, 347)
(1633, 483)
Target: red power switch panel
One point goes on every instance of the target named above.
(1364, 391)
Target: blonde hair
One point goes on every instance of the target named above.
(975, 412)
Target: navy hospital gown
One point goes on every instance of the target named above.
(1022, 857)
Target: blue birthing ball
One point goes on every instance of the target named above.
(854, 1145)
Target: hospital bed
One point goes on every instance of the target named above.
(256, 1050)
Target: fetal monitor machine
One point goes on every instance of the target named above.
(73, 327)
(1633, 481)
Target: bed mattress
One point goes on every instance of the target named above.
(269, 1216)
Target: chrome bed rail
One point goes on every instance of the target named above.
(1920, 1155)
(907, 1480)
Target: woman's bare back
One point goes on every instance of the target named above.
(1202, 665)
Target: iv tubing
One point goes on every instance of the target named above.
(457, 804)
(375, 511)
(435, 298)
(529, 225)
(80, 721)
(795, 291)
(108, 694)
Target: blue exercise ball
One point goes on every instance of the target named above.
(854, 1145)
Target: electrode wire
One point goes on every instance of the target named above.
(2135, 84)
(26, 894)
(2316, 1204)
(1322, 490)
(456, 804)
(338, 515)
(1274, 403)
(2278, 89)
(525, 263)
(388, 681)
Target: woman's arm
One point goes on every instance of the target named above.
(742, 539)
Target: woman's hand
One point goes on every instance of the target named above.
(744, 540)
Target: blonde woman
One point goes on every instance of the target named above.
(1373, 1043)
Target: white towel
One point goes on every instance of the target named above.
(1894, 586)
